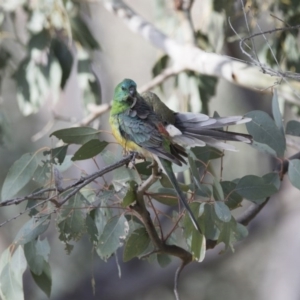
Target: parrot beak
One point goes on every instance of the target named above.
(132, 91)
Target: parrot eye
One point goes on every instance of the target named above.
(123, 88)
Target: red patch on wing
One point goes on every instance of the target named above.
(162, 129)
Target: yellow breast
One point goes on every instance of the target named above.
(126, 144)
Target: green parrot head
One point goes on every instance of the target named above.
(124, 90)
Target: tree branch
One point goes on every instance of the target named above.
(76, 186)
(160, 245)
(192, 58)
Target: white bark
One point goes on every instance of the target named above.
(192, 58)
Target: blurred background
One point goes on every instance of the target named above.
(45, 88)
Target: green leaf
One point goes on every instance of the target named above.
(232, 232)
(57, 154)
(198, 245)
(71, 219)
(32, 229)
(160, 65)
(67, 163)
(294, 172)
(37, 253)
(44, 280)
(293, 128)
(254, 188)
(164, 260)
(100, 221)
(276, 112)
(143, 168)
(20, 173)
(20, 77)
(38, 75)
(82, 33)
(207, 89)
(165, 182)
(217, 190)
(130, 196)
(123, 175)
(203, 190)
(232, 198)
(64, 57)
(111, 157)
(264, 148)
(194, 171)
(88, 81)
(197, 210)
(42, 173)
(114, 233)
(76, 135)
(208, 222)
(91, 227)
(240, 232)
(89, 149)
(40, 41)
(166, 196)
(264, 130)
(226, 234)
(205, 154)
(136, 244)
(222, 211)
(272, 178)
(11, 277)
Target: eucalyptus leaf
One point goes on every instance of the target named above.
(254, 188)
(264, 130)
(217, 190)
(136, 244)
(89, 149)
(91, 227)
(232, 198)
(276, 112)
(76, 135)
(64, 57)
(205, 154)
(222, 211)
(166, 197)
(20, 173)
(71, 219)
(293, 128)
(57, 154)
(44, 280)
(208, 222)
(83, 34)
(130, 196)
(198, 246)
(294, 172)
(114, 233)
(32, 229)
(11, 276)
(37, 253)
(164, 260)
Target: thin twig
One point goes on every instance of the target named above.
(159, 79)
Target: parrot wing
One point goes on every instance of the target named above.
(140, 125)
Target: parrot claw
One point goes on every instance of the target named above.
(135, 155)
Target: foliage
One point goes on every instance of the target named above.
(111, 214)
(48, 54)
(93, 211)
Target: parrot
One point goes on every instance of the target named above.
(142, 123)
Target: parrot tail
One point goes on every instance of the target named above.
(200, 130)
(166, 166)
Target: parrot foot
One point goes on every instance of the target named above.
(135, 155)
(151, 165)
